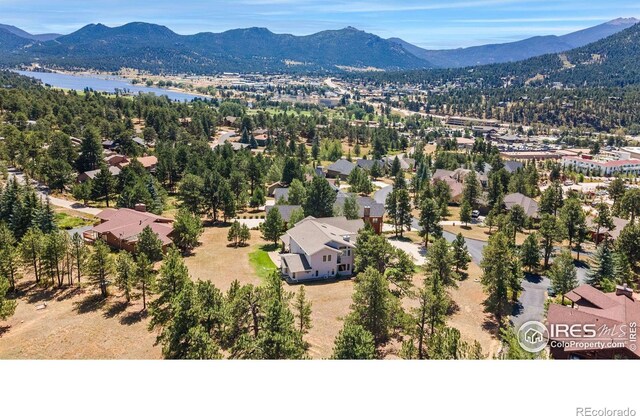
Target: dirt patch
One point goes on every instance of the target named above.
(76, 323)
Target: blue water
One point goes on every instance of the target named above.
(105, 84)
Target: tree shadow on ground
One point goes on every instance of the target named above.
(90, 304)
(517, 309)
(134, 317)
(76, 290)
(453, 308)
(490, 326)
(4, 330)
(581, 264)
(532, 278)
(115, 309)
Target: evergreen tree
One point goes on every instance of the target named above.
(149, 245)
(234, 233)
(603, 266)
(302, 311)
(350, 208)
(187, 229)
(125, 274)
(572, 220)
(429, 220)
(100, 266)
(245, 234)
(90, 152)
(174, 276)
(273, 226)
(461, 257)
(7, 306)
(145, 277)
(549, 234)
(320, 199)
(374, 307)
(496, 276)
(563, 274)
(465, 212)
(354, 343)
(297, 193)
(103, 185)
(530, 252)
(31, 249)
(9, 257)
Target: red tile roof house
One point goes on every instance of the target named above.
(613, 318)
(120, 228)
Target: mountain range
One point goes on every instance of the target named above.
(156, 48)
(516, 51)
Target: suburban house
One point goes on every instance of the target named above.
(91, 174)
(281, 193)
(148, 162)
(456, 187)
(512, 166)
(612, 316)
(319, 248)
(367, 164)
(369, 210)
(340, 169)
(529, 205)
(604, 233)
(120, 227)
(285, 211)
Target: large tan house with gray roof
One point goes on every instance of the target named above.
(319, 248)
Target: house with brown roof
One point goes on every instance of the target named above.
(120, 228)
(597, 325)
(598, 235)
(91, 174)
(529, 205)
(369, 210)
(319, 248)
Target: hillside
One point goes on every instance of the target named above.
(26, 35)
(158, 49)
(516, 51)
(610, 62)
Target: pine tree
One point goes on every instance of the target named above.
(603, 265)
(354, 343)
(350, 208)
(103, 185)
(429, 220)
(465, 212)
(273, 226)
(302, 310)
(373, 305)
(530, 252)
(187, 229)
(245, 234)
(145, 277)
(101, 266)
(461, 257)
(7, 306)
(174, 276)
(549, 234)
(234, 233)
(9, 257)
(496, 276)
(603, 220)
(31, 249)
(563, 274)
(297, 193)
(320, 199)
(149, 245)
(125, 274)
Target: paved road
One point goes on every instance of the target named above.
(43, 192)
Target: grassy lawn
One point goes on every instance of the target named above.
(259, 259)
(68, 222)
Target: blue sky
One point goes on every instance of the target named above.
(427, 23)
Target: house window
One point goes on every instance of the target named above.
(294, 275)
(348, 253)
(329, 257)
(324, 259)
(316, 273)
(348, 267)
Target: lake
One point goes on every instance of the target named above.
(105, 84)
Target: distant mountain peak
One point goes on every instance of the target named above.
(623, 21)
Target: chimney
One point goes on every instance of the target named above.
(367, 212)
(140, 207)
(624, 290)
